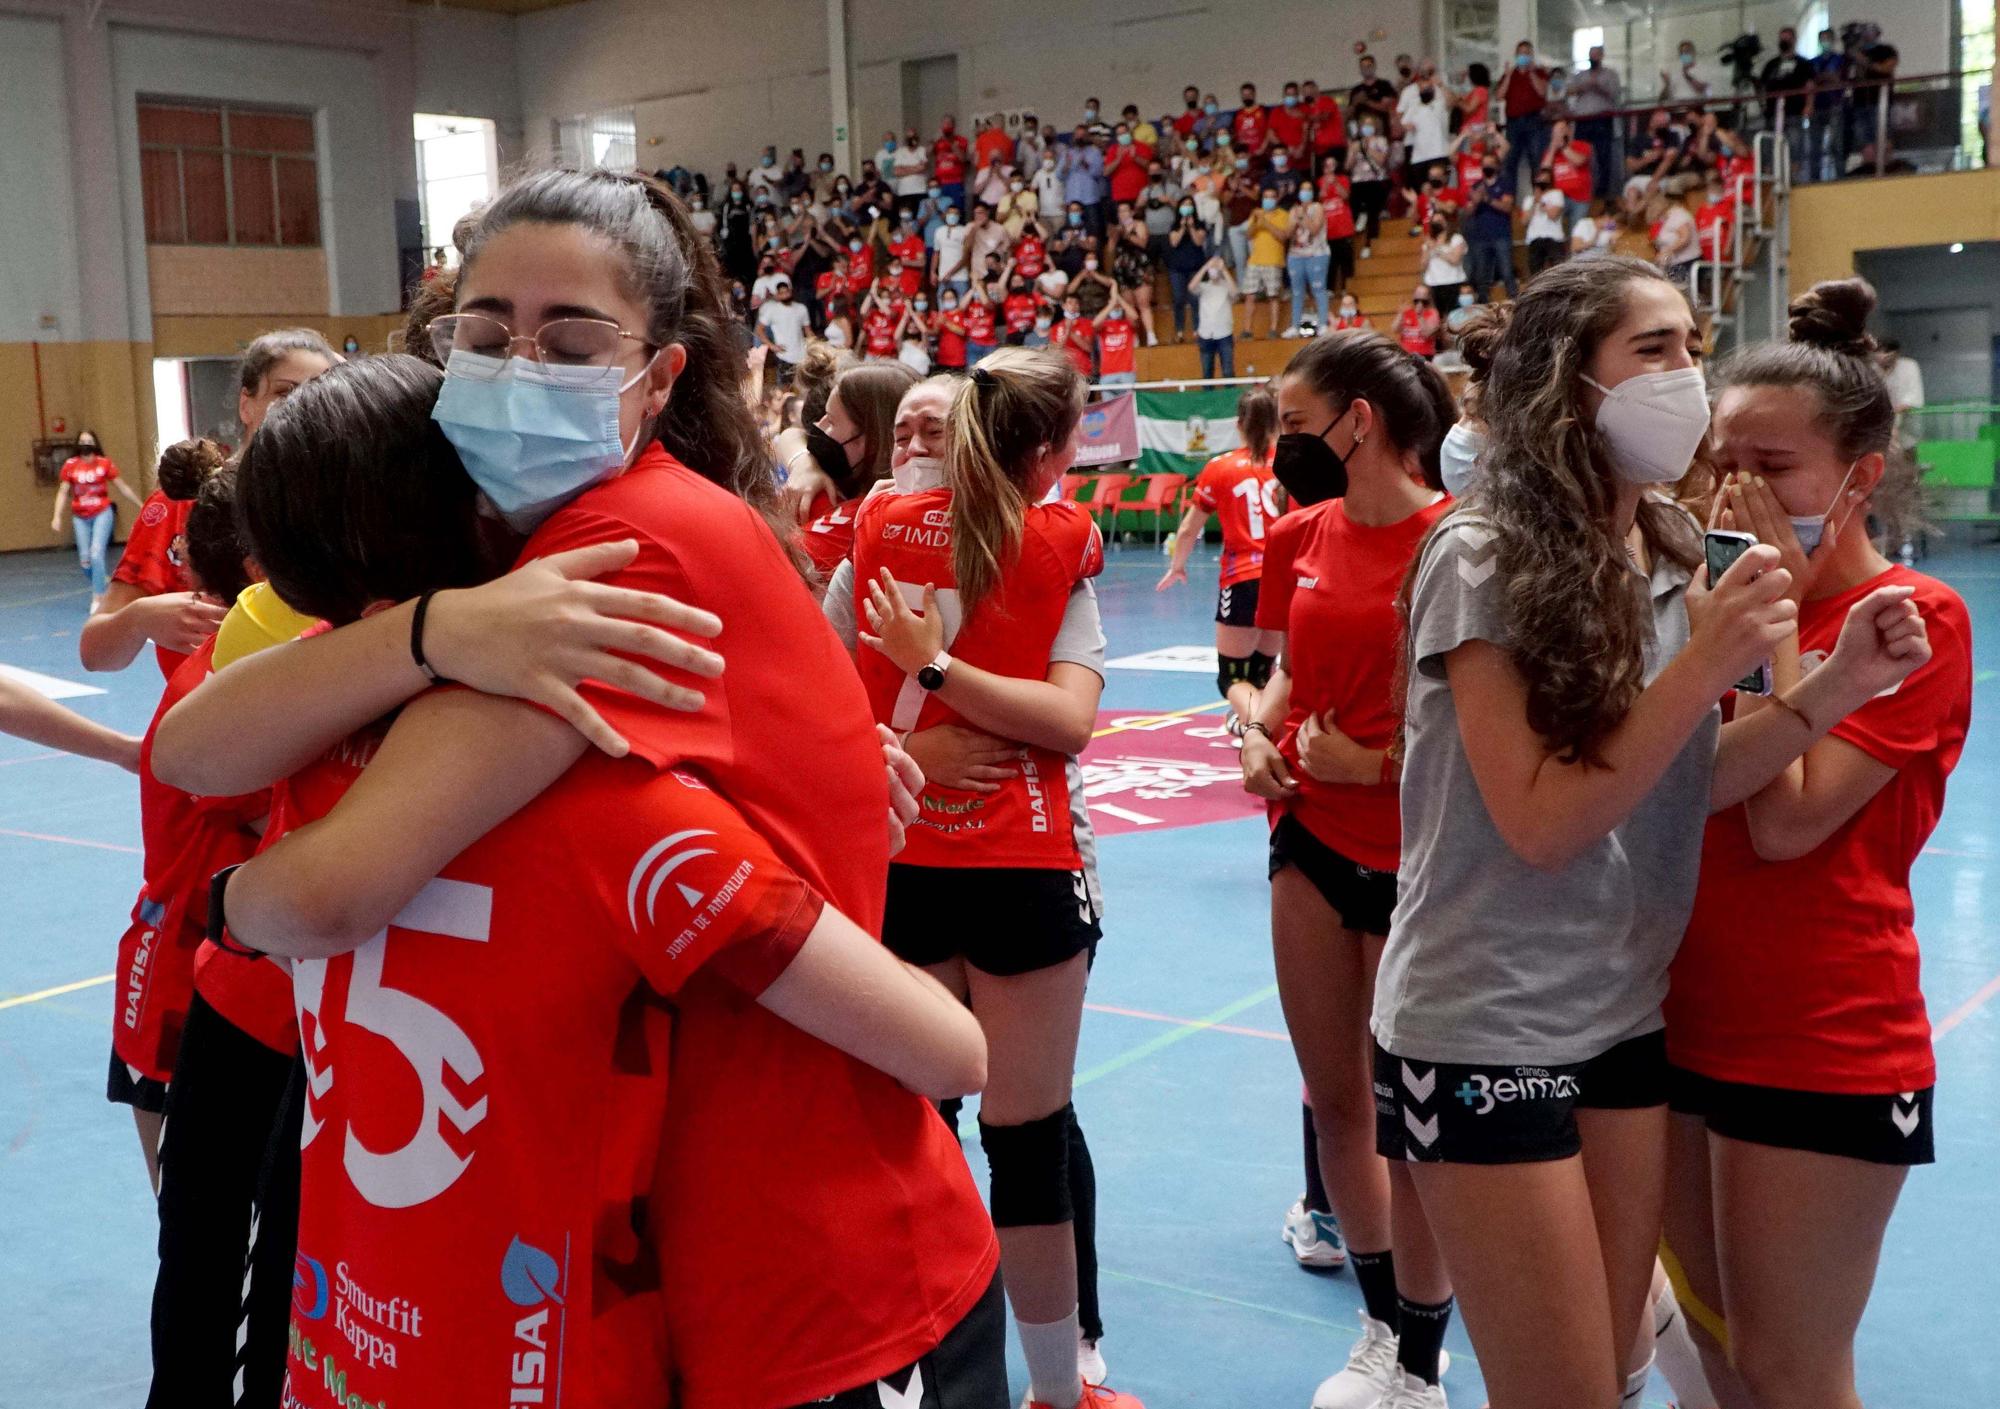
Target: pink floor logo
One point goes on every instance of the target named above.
(1144, 772)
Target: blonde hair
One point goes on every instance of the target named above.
(1017, 404)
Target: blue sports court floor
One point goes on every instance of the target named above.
(1186, 1084)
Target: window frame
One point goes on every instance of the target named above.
(226, 153)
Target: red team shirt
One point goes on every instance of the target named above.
(830, 536)
(1077, 337)
(909, 255)
(901, 1247)
(1020, 312)
(1029, 257)
(155, 560)
(1409, 332)
(1288, 125)
(878, 333)
(1010, 632)
(1339, 214)
(1803, 974)
(187, 839)
(89, 479)
(979, 322)
(1242, 493)
(1247, 128)
(487, 1084)
(1712, 227)
(1570, 169)
(1330, 585)
(1115, 344)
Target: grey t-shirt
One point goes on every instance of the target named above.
(1489, 960)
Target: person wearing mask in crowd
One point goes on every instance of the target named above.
(765, 178)
(1442, 255)
(1489, 229)
(1325, 128)
(1475, 104)
(1593, 234)
(1826, 139)
(1048, 186)
(910, 169)
(1660, 163)
(1334, 193)
(1076, 337)
(1190, 113)
(1214, 289)
(1187, 247)
(1679, 82)
(701, 217)
(84, 486)
(885, 156)
(1237, 488)
(1125, 166)
(950, 157)
(1250, 124)
(1018, 310)
(1092, 286)
(1373, 99)
(1017, 206)
(1132, 266)
(1715, 222)
(1349, 315)
(1307, 262)
(1156, 203)
(851, 441)
(1032, 145)
(1524, 96)
(1424, 110)
(951, 262)
(1320, 748)
(1594, 92)
(1238, 202)
(1117, 344)
(1676, 242)
(1285, 127)
(989, 185)
(1264, 276)
(1282, 176)
(1547, 239)
(1786, 83)
(737, 235)
(982, 319)
(795, 181)
(1094, 125)
(1417, 324)
(782, 326)
(1502, 953)
(1803, 1066)
(1875, 65)
(985, 240)
(1368, 175)
(1082, 166)
(1571, 166)
(991, 144)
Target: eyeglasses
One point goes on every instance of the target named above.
(562, 342)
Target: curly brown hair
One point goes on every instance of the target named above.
(1577, 629)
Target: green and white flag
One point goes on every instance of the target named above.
(1180, 431)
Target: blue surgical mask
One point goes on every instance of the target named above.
(1458, 458)
(1521, 60)
(533, 437)
(1208, 108)
(1270, 202)
(1076, 217)
(1809, 531)
(1291, 100)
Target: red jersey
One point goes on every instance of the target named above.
(1020, 312)
(948, 158)
(1330, 585)
(1288, 125)
(1804, 974)
(1341, 322)
(187, 839)
(994, 147)
(1712, 226)
(1410, 333)
(1571, 171)
(1325, 127)
(1125, 170)
(1077, 337)
(89, 479)
(1247, 128)
(1115, 344)
(487, 1081)
(830, 285)
(1339, 214)
(1010, 632)
(1030, 257)
(909, 255)
(878, 333)
(1243, 495)
(155, 559)
(950, 329)
(829, 537)
(979, 322)
(901, 1248)
(860, 267)
(1470, 168)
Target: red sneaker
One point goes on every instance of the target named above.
(1096, 1397)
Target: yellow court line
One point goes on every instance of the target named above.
(1143, 720)
(55, 992)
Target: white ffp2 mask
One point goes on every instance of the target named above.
(1654, 423)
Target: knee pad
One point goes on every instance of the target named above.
(1261, 667)
(1030, 1168)
(1235, 670)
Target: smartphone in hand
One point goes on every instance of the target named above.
(1722, 547)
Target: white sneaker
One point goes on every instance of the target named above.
(1090, 1361)
(1409, 1392)
(1367, 253)
(1313, 1237)
(1292, 332)
(1370, 1374)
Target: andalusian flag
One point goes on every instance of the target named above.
(1180, 431)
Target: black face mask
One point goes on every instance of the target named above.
(831, 455)
(1310, 470)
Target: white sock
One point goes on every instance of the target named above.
(1051, 1352)
(1675, 1351)
(1635, 1386)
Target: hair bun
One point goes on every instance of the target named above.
(1834, 315)
(1480, 335)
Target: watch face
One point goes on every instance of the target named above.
(930, 677)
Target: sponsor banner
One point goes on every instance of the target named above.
(1156, 773)
(1109, 433)
(1180, 660)
(1180, 431)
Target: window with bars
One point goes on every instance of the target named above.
(217, 175)
(608, 139)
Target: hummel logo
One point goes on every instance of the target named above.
(1475, 537)
(911, 1396)
(1426, 1131)
(1420, 1088)
(1908, 1120)
(1475, 574)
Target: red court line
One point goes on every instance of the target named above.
(71, 841)
(1966, 1009)
(1183, 1022)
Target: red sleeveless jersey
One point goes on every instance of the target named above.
(1242, 493)
(1010, 632)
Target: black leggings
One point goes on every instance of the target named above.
(1083, 1200)
(1369, 199)
(229, 1160)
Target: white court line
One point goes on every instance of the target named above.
(53, 687)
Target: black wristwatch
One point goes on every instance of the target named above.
(931, 677)
(218, 919)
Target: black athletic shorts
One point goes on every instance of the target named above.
(1508, 1114)
(125, 1087)
(1236, 604)
(968, 1370)
(1363, 898)
(1891, 1129)
(1001, 920)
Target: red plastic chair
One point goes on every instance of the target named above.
(1101, 493)
(1160, 495)
(1071, 483)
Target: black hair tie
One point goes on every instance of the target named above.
(982, 377)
